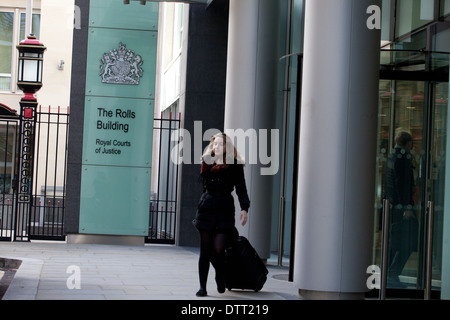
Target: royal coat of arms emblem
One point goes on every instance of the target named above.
(121, 66)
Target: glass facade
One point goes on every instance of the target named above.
(445, 8)
(289, 73)
(35, 23)
(6, 37)
(7, 141)
(413, 14)
(8, 43)
(411, 176)
(412, 147)
(413, 98)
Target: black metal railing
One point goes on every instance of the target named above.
(8, 163)
(49, 190)
(163, 201)
(43, 217)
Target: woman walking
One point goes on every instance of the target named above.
(222, 171)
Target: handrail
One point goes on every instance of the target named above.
(429, 252)
(385, 249)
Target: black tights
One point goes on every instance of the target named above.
(212, 248)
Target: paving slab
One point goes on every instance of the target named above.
(61, 271)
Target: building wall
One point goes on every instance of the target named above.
(203, 100)
(55, 32)
(12, 97)
(57, 23)
(57, 18)
(75, 147)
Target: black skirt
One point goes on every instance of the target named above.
(215, 212)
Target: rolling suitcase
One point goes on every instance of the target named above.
(244, 268)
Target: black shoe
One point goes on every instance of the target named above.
(221, 288)
(201, 293)
(220, 284)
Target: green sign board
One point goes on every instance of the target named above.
(118, 132)
(114, 200)
(114, 14)
(121, 63)
(118, 118)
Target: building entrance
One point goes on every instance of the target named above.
(411, 157)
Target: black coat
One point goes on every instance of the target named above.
(216, 211)
(400, 181)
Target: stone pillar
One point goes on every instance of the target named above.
(250, 103)
(336, 176)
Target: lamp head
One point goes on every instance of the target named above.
(31, 54)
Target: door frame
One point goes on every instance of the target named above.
(430, 78)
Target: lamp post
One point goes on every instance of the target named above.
(31, 58)
(31, 53)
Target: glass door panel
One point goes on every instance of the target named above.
(411, 158)
(399, 177)
(437, 174)
(405, 183)
(385, 107)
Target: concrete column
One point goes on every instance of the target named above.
(250, 102)
(336, 176)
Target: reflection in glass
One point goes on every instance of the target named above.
(399, 160)
(6, 31)
(445, 7)
(413, 14)
(414, 42)
(6, 158)
(35, 26)
(417, 110)
(437, 174)
(404, 181)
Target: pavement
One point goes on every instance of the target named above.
(61, 271)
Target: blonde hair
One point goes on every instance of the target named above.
(229, 157)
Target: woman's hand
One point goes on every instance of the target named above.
(243, 217)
